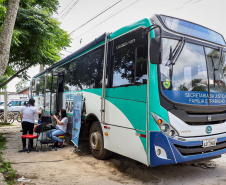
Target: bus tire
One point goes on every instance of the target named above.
(96, 142)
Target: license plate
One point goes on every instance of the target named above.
(209, 142)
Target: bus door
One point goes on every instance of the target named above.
(54, 92)
(47, 99)
(60, 90)
(125, 107)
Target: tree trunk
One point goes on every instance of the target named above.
(6, 34)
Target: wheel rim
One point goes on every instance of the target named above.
(95, 140)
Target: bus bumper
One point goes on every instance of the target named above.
(165, 150)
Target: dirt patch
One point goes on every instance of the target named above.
(54, 167)
(61, 167)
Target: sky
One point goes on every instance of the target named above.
(88, 19)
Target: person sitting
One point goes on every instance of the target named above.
(60, 128)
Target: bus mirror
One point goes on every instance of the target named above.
(156, 50)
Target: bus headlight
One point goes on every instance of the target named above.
(164, 126)
(172, 133)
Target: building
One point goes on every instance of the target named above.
(24, 94)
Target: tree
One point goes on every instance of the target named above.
(37, 38)
(6, 34)
(21, 85)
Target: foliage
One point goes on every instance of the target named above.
(21, 85)
(37, 37)
(9, 173)
(3, 79)
(2, 141)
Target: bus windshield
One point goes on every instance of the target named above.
(197, 77)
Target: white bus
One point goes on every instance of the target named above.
(153, 91)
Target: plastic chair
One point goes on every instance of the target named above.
(29, 137)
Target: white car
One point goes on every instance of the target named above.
(14, 105)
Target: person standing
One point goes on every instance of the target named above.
(27, 115)
(61, 128)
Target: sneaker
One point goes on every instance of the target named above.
(23, 150)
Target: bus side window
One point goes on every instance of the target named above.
(40, 84)
(76, 69)
(67, 77)
(124, 68)
(141, 66)
(94, 69)
(130, 59)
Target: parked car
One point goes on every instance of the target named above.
(14, 105)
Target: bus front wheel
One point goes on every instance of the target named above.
(96, 142)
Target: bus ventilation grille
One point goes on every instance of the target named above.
(206, 123)
(194, 150)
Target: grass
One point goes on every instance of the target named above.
(7, 125)
(5, 167)
(4, 124)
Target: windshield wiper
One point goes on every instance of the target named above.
(173, 56)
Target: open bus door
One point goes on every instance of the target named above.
(60, 90)
(124, 103)
(54, 92)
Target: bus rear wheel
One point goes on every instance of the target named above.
(96, 142)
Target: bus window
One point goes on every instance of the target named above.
(67, 77)
(87, 70)
(141, 65)
(76, 69)
(124, 68)
(40, 85)
(94, 69)
(48, 93)
(130, 59)
(54, 93)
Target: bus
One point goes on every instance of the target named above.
(153, 91)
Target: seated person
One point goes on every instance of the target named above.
(60, 128)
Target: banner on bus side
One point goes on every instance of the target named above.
(77, 109)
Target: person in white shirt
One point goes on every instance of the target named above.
(27, 114)
(61, 128)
